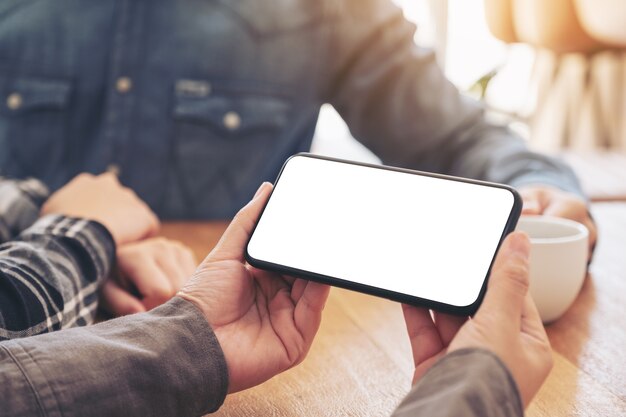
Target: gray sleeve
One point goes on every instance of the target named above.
(398, 103)
(166, 362)
(467, 382)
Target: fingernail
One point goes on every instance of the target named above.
(260, 190)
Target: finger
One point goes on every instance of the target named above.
(234, 239)
(531, 207)
(308, 312)
(448, 326)
(566, 205)
(151, 281)
(289, 279)
(314, 296)
(154, 225)
(297, 289)
(172, 268)
(175, 260)
(508, 281)
(534, 200)
(188, 259)
(423, 335)
(593, 237)
(531, 203)
(117, 301)
(270, 283)
(109, 176)
(188, 263)
(152, 221)
(576, 209)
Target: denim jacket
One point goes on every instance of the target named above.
(195, 102)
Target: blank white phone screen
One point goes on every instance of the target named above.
(422, 236)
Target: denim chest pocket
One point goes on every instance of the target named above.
(222, 142)
(33, 124)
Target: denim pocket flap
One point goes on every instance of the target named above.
(23, 94)
(232, 115)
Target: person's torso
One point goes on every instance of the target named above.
(194, 102)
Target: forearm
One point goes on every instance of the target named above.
(469, 382)
(50, 276)
(166, 362)
(494, 153)
(398, 103)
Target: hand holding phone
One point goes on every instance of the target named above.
(506, 324)
(265, 322)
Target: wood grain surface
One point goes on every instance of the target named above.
(360, 363)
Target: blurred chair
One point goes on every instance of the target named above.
(579, 76)
(604, 20)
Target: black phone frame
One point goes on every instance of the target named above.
(467, 310)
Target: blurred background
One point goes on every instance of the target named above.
(554, 71)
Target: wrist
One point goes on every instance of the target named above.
(93, 241)
(474, 375)
(220, 337)
(22, 200)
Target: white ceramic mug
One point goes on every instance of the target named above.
(558, 262)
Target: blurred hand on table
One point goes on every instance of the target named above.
(550, 201)
(150, 270)
(103, 199)
(149, 273)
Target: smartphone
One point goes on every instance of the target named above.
(413, 237)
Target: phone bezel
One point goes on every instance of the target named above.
(467, 310)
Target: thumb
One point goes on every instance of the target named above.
(508, 283)
(238, 232)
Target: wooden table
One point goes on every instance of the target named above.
(602, 174)
(360, 363)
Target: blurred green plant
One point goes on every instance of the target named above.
(479, 88)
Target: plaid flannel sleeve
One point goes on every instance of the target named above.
(20, 202)
(50, 275)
